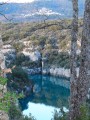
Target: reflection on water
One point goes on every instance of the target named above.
(49, 93)
(40, 111)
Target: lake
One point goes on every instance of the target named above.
(50, 94)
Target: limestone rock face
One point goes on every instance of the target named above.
(3, 89)
(34, 56)
(1, 54)
(1, 43)
(9, 54)
(59, 71)
(3, 116)
(2, 59)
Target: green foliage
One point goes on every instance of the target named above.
(21, 59)
(59, 115)
(3, 81)
(29, 118)
(18, 72)
(85, 113)
(84, 110)
(59, 60)
(18, 80)
(5, 38)
(6, 100)
(42, 40)
(18, 46)
(16, 114)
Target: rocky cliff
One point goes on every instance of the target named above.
(27, 44)
(2, 58)
(3, 89)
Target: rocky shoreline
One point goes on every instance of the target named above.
(58, 72)
(32, 70)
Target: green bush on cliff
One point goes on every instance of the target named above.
(7, 99)
(60, 115)
(85, 112)
(20, 59)
(3, 81)
(18, 72)
(18, 46)
(18, 80)
(60, 60)
(16, 114)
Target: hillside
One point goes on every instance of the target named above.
(50, 40)
(39, 9)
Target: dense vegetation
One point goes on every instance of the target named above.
(8, 103)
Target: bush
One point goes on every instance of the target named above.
(18, 46)
(18, 72)
(85, 113)
(16, 114)
(3, 81)
(60, 60)
(20, 58)
(61, 115)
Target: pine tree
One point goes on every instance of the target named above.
(73, 78)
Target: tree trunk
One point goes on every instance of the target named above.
(84, 74)
(73, 112)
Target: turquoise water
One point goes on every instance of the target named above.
(50, 93)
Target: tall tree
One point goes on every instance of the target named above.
(73, 78)
(80, 86)
(84, 74)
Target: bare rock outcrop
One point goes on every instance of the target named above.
(3, 115)
(2, 58)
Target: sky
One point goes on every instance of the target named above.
(41, 111)
(18, 1)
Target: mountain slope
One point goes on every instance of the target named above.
(39, 9)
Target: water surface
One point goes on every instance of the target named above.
(50, 93)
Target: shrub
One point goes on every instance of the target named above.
(18, 46)
(85, 113)
(18, 72)
(20, 58)
(3, 81)
(61, 115)
(16, 114)
(60, 60)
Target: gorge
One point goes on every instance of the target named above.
(43, 51)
